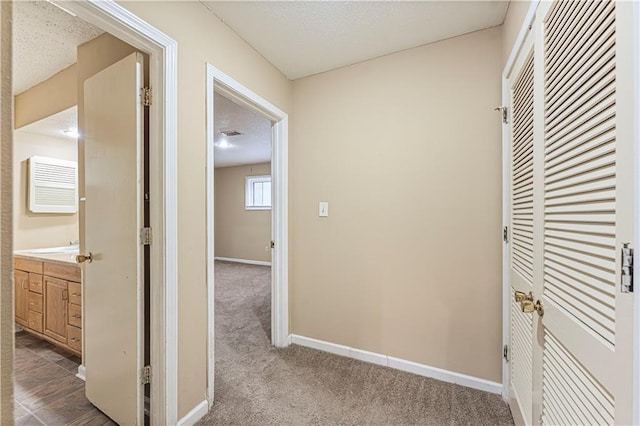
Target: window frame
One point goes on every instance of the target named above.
(248, 191)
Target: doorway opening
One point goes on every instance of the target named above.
(52, 313)
(257, 184)
(243, 200)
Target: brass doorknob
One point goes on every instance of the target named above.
(528, 307)
(81, 258)
(521, 296)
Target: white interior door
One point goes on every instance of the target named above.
(524, 242)
(113, 281)
(588, 215)
(572, 355)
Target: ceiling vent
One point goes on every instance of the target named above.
(231, 133)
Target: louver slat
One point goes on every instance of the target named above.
(579, 184)
(521, 359)
(522, 173)
(571, 395)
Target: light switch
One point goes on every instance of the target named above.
(323, 210)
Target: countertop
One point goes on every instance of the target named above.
(67, 258)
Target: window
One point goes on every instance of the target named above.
(258, 193)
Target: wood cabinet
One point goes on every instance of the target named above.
(48, 299)
(56, 295)
(22, 297)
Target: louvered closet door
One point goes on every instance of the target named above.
(587, 352)
(521, 205)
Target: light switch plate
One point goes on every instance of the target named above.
(323, 209)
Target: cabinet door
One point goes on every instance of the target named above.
(22, 297)
(56, 299)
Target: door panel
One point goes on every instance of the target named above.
(21, 288)
(113, 281)
(585, 371)
(521, 363)
(56, 298)
(579, 217)
(522, 247)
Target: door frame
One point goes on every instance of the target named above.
(506, 294)
(219, 82)
(636, 214)
(163, 53)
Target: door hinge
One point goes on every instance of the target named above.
(145, 236)
(503, 111)
(145, 96)
(505, 234)
(626, 276)
(505, 353)
(145, 375)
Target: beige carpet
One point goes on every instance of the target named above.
(257, 384)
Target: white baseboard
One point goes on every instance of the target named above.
(248, 262)
(82, 373)
(192, 417)
(399, 364)
(320, 345)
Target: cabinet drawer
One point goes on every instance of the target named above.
(74, 336)
(65, 272)
(35, 283)
(35, 321)
(28, 265)
(35, 302)
(75, 315)
(75, 293)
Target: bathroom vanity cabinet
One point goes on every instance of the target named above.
(48, 299)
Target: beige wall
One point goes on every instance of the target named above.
(407, 150)
(6, 212)
(240, 233)
(47, 98)
(511, 28)
(201, 38)
(31, 230)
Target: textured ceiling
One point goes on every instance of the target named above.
(44, 41)
(253, 146)
(55, 125)
(302, 38)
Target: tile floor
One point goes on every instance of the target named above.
(47, 391)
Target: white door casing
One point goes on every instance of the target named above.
(163, 118)
(219, 82)
(113, 281)
(583, 167)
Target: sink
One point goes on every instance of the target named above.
(55, 250)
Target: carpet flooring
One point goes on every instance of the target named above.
(257, 384)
